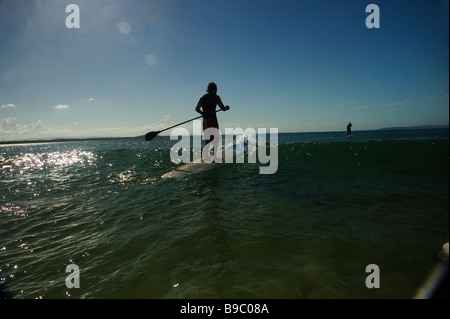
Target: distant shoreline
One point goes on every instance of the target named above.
(82, 139)
(61, 140)
(419, 127)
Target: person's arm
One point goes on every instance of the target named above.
(197, 108)
(219, 102)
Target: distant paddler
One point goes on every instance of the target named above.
(349, 129)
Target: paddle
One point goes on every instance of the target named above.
(151, 135)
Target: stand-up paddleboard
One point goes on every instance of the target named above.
(192, 168)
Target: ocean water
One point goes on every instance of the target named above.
(334, 206)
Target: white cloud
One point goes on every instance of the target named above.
(165, 120)
(35, 127)
(9, 105)
(91, 99)
(61, 107)
(9, 124)
(12, 130)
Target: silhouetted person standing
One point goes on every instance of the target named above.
(349, 129)
(206, 106)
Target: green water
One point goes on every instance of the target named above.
(333, 207)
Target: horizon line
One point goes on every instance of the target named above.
(94, 138)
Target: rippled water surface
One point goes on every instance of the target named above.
(334, 206)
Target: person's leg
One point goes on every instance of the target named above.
(210, 123)
(210, 130)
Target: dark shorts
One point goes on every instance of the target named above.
(207, 123)
(210, 123)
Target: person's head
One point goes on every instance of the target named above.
(211, 88)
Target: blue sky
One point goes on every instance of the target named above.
(300, 66)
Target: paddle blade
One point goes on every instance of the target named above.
(151, 135)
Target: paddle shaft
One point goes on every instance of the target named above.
(185, 122)
(151, 135)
